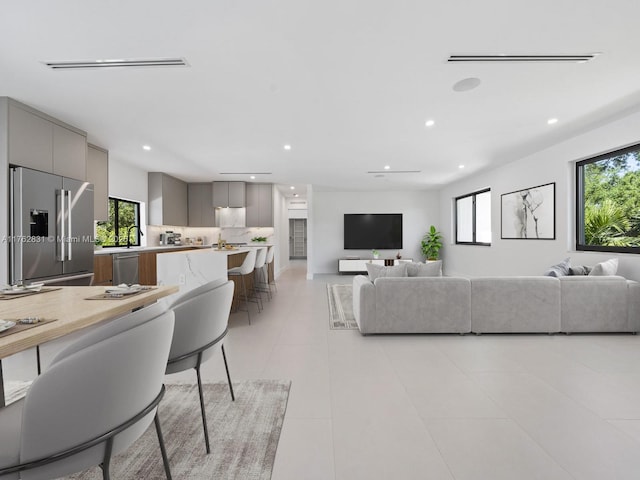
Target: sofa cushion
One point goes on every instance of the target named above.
(560, 269)
(430, 269)
(379, 271)
(580, 270)
(610, 267)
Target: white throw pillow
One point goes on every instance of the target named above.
(610, 267)
(430, 269)
(377, 271)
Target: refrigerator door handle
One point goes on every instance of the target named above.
(70, 232)
(61, 230)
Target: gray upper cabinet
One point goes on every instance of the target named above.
(200, 207)
(36, 140)
(259, 205)
(98, 174)
(69, 153)
(30, 140)
(168, 200)
(229, 194)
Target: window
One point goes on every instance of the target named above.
(608, 202)
(473, 218)
(123, 215)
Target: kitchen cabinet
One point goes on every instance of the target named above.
(168, 200)
(102, 270)
(147, 270)
(200, 206)
(69, 153)
(43, 143)
(229, 194)
(259, 205)
(98, 174)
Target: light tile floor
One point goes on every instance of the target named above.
(405, 407)
(470, 407)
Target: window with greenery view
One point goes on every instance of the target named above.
(123, 214)
(473, 218)
(608, 202)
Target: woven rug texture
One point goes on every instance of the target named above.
(341, 307)
(244, 435)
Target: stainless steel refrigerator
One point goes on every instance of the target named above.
(51, 229)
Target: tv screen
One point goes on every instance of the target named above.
(372, 230)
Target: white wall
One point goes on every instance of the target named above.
(555, 164)
(326, 219)
(129, 183)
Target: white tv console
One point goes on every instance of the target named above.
(359, 265)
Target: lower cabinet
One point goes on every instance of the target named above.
(102, 270)
(147, 272)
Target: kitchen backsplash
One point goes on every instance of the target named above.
(208, 235)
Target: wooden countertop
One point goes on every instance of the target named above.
(72, 311)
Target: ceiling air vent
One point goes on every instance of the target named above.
(118, 63)
(523, 58)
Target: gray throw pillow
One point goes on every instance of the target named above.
(430, 269)
(378, 271)
(580, 270)
(559, 270)
(610, 267)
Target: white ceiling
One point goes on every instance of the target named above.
(348, 84)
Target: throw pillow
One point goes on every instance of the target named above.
(580, 270)
(378, 271)
(559, 269)
(610, 267)
(430, 269)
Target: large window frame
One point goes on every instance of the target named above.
(117, 236)
(581, 244)
(473, 197)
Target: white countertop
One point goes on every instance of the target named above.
(152, 248)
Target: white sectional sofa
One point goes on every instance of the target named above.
(496, 304)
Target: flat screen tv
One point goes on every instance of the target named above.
(372, 230)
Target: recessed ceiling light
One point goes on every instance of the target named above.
(387, 167)
(292, 187)
(295, 194)
(460, 167)
(287, 147)
(252, 177)
(551, 121)
(466, 84)
(146, 147)
(430, 123)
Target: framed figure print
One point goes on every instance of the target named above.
(529, 214)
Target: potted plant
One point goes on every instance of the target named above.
(375, 253)
(431, 243)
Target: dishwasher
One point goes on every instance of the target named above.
(125, 268)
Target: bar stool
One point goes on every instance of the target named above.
(261, 285)
(269, 261)
(244, 270)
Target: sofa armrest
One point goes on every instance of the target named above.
(633, 301)
(364, 302)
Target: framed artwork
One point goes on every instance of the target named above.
(529, 214)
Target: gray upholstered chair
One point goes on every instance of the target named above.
(244, 270)
(202, 318)
(96, 398)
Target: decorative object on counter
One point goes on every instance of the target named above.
(431, 243)
(398, 256)
(375, 253)
(259, 239)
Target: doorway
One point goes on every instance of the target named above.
(297, 238)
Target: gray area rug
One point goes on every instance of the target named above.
(341, 307)
(244, 435)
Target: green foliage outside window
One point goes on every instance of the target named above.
(122, 215)
(611, 201)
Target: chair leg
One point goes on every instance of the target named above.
(204, 415)
(226, 367)
(165, 459)
(108, 449)
(246, 298)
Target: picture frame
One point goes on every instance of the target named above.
(529, 214)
